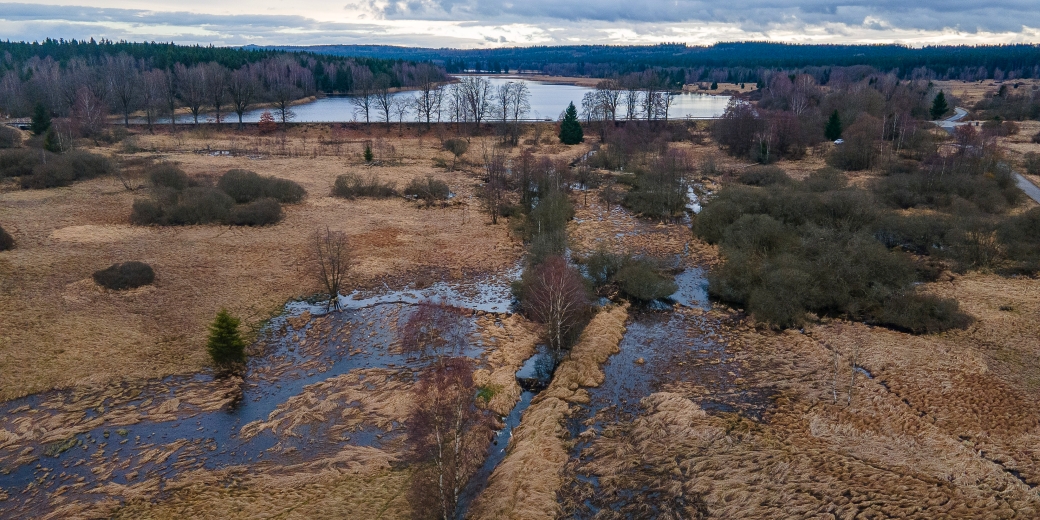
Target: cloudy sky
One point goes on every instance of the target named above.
(489, 23)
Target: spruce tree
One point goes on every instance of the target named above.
(225, 345)
(41, 120)
(570, 128)
(939, 106)
(833, 129)
(714, 85)
(51, 143)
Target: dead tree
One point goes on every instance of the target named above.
(332, 261)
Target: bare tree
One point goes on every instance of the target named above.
(169, 94)
(557, 297)
(285, 79)
(401, 108)
(477, 94)
(363, 93)
(126, 82)
(384, 98)
(191, 87)
(217, 80)
(332, 261)
(632, 102)
(427, 102)
(153, 86)
(494, 181)
(242, 88)
(520, 104)
(609, 93)
(448, 437)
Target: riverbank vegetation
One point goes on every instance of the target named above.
(926, 239)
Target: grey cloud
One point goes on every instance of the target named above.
(924, 14)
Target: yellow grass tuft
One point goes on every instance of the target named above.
(524, 485)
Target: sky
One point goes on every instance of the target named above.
(495, 23)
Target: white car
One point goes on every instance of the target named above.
(839, 141)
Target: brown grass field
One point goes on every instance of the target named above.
(945, 427)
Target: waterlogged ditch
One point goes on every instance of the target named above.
(685, 352)
(317, 382)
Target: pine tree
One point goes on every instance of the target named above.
(225, 346)
(833, 129)
(368, 153)
(714, 85)
(41, 119)
(570, 128)
(939, 106)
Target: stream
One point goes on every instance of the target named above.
(84, 446)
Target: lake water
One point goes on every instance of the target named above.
(548, 101)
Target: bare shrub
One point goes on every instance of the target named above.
(1032, 163)
(331, 261)
(435, 328)
(6, 240)
(352, 185)
(246, 186)
(457, 147)
(260, 212)
(429, 189)
(922, 313)
(169, 176)
(10, 137)
(127, 275)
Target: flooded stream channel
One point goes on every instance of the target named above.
(314, 383)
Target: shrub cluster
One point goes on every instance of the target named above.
(39, 169)
(127, 275)
(246, 186)
(545, 226)
(660, 190)
(6, 240)
(175, 202)
(428, 189)
(636, 278)
(814, 246)
(10, 137)
(352, 185)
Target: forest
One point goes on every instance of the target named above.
(725, 61)
(91, 79)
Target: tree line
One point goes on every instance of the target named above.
(87, 81)
(724, 61)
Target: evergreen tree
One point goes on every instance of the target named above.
(714, 85)
(570, 128)
(368, 153)
(51, 142)
(225, 346)
(833, 129)
(939, 106)
(41, 119)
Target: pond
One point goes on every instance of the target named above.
(548, 101)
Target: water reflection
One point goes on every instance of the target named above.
(548, 101)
